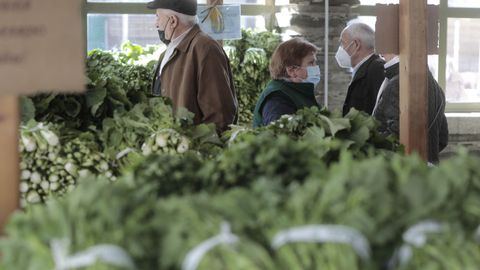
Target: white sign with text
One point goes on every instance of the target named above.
(42, 46)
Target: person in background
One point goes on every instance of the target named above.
(295, 74)
(194, 71)
(387, 110)
(356, 51)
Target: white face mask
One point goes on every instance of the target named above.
(313, 75)
(343, 58)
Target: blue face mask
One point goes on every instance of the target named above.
(313, 75)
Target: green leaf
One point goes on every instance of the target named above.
(136, 124)
(315, 132)
(42, 102)
(334, 125)
(27, 109)
(95, 99)
(184, 114)
(206, 134)
(72, 107)
(115, 139)
(119, 95)
(360, 136)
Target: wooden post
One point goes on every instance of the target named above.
(9, 158)
(413, 76)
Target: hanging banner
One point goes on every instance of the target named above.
(221, 22)
(41, 46)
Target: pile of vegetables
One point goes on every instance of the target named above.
(356, 131)
(377, 197)
(51, 164)
(116, 166)
(63, 155)
(446, 247)
(249, 58)
(118, 120)
(113, 86)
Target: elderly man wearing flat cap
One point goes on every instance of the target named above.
(194, 71)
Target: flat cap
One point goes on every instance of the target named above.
(187, 7)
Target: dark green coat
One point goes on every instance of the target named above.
(301, 94)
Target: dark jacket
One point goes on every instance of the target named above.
(281, 97)
(363, 90)
(276, 105)
(388, 112)
(198, 77)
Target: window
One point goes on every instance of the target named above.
(374, 2)
(464, 3)
(113, 22)
(457, 67)
(463, 60)
(109, 31)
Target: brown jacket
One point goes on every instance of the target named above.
(198, 77)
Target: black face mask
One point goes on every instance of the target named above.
(161, 34)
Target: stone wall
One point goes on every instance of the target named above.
(309, 22)
(464, 132)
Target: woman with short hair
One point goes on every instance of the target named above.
(295, 74)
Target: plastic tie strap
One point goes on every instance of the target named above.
(235, 135)
(38, 127)
(123, 153)
(325, 234)
(195, 256)
(477, 234)
(109, 254)
(415, 236)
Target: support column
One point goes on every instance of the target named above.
(9, 158)
(413, 76)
